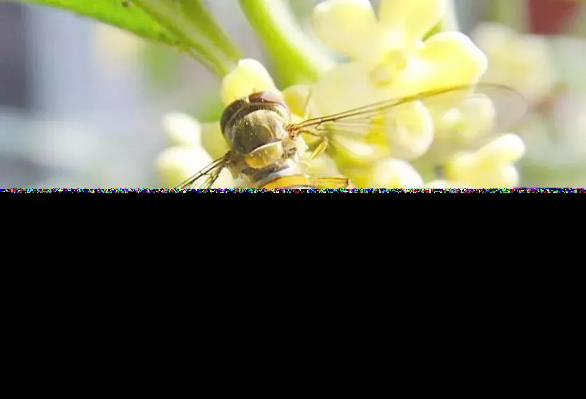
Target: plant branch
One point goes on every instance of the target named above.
(193, 24)
(295, 57)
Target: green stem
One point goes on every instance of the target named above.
(295, 57)
(512, 13)
(193, 24)
(449, 22)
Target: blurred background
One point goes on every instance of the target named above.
(81, 103)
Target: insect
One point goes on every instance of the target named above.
(265, 147)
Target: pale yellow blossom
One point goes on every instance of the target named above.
(185, 156)
(492, 166)
(466, 122)
(213, 140)
(249, 77)
(521, 61)
(182, 130)
(389, 57)
(387, 173)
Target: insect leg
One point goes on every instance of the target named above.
(320, 149)
(306, 110)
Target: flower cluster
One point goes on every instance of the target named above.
(555, 136)
(530, 71)
(388, 54)
(188, 152)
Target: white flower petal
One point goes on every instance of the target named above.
(408, 21)
(530, 71)
(474, 117)
(345, 87)
(182, 129)
(505, 149)
(446, 60)
(490, 167)
(297, 99)
(249, 77)
(395, 174)
(213, 140)
(410, 130)
(177, 164)
(349, 27)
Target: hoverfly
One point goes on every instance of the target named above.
(263, 140)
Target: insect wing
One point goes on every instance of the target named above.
(502, 107)
(206, 178)
(475, 116)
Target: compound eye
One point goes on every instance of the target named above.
(231, 111)
(265, 97)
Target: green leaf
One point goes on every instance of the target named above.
(118, 13)
(186, 24)
(192, 23)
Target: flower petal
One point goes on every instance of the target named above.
(349, 27)
(409, 130)
(395, 174)
(506, 149)
(177, 164)
(345, 87)
(530, 70)
(463, 124)
(446, 60)
(355, 153)
(322, 166)
(250, 76)
(213, 140)
(408, 21)
(490, 167)
(297, 99)
(182, 129)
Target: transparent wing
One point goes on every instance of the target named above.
(206, 178)
(502, 105)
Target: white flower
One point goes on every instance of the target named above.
(249, 77)
(492, 166)
(521, 61)
(391, 57)
(387, 173)
(186, 155)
